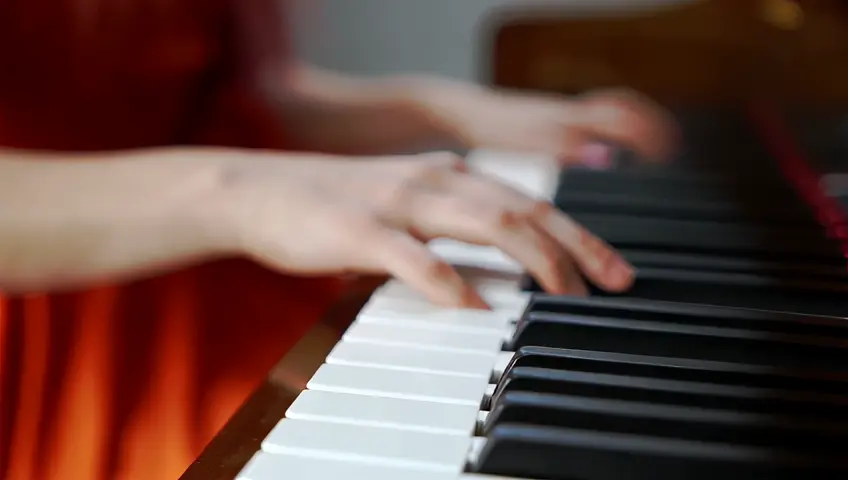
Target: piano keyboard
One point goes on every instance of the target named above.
(728, 359)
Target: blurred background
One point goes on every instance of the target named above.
(446, 37)
(387, 36)
(694, 52)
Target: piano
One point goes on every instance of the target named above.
(728, 358)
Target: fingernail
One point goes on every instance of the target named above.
(596, 155)
(621, 274)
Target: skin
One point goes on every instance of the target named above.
(321, 214)
(357, 208)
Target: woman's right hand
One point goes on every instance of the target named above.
(316, 215)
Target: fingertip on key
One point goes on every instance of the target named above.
(596, 156)
(472, 299)
(621, 276)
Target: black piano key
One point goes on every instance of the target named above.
(733, 374)
(551, 453)
(807, 294)
(675, 184)
(691, 314)
(754, 429)
(757, 210)
(669, 392)
(738, 290)
(624, 231)
(804, 270)
(812, 271)
(719, 227)
(667, 339)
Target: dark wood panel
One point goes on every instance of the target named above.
(707, 51)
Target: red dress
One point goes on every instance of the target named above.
(131, 381)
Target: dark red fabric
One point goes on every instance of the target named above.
(131, 381)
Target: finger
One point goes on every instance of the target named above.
(412, 262)
(479, 210)
(600, 262)
(596, 155)
(627, 119)
(436, 214)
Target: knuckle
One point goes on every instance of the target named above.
(398, 198)
(613, 110)
(358, 223)
(510, 219)
(540, 210)
(436, 269)
(400, 195)
(515, 217)
(500, 219)
(616, 114)
(444, 160)
(421, 175)
(427, 174)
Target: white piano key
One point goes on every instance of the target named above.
(497, 293)
(365, 410)
(467, 255)
(425, 338)
(486, 282)
(473, 364)
(268, 466)
(399, 384)
(367, 382)
(389, 304)
(535, 175)
(463, 320)
(501, 363)
(369, 445)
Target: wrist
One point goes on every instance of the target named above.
(438, 103)
(203, 211)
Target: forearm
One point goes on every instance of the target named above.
(71, 222)
(335, 113)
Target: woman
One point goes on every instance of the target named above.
(183, 261)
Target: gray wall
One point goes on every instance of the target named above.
(388, 36)
(444, 37)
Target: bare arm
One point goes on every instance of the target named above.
(76, 221)
(329, 111)
(338, 113)
(67, 222)
(341, 113)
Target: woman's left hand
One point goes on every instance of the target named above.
(576, 130)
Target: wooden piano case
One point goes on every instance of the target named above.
(684, 52)
(676, 52)
(688, 54)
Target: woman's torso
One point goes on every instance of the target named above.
(130, 381)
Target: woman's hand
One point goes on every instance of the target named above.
(329, 112)
(574, 130)
(327, 215)
(150, 211)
